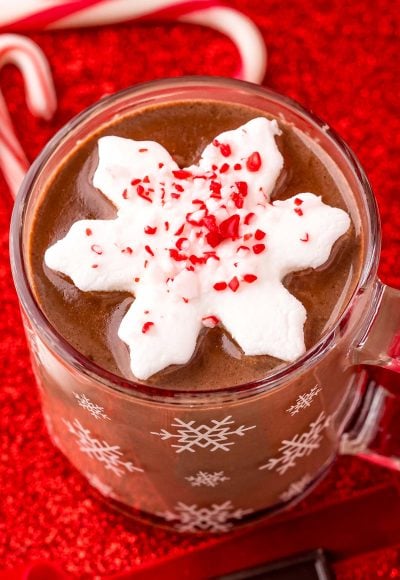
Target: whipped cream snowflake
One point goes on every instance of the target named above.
(200, 246)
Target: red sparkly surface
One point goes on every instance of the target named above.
(341, 60)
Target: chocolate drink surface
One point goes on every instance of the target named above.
(89, 320)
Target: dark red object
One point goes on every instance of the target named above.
(249, 278)
(339, 60)
(233, 284)
(253, 162)
(229, 228)
(258, 248)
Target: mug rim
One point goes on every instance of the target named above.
(129, 387)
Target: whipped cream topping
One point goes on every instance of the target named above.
(200, 246)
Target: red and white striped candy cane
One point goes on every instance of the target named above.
(32, 15)
(40, 97)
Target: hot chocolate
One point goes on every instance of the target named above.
(89, 320)
(192, 444)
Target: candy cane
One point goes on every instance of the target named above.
(40, 98)
(25, 15)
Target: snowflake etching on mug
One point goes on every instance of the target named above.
(95, 410)
(110, 456)
(214, 436)
(207, 479)
(216, 518)
(304, 401)
(299, 446)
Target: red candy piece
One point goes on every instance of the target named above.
(229, 228)
(238, 200)
(181, 174)
(248, 218)
(258, 248)
(234, 284)
(179, 230)
(211, 223)
(249, 278)
(175, 255)
(242, 187)
(197, 260)
(253, 162)
(146, 326)
(213, 239)
(180, 242)
(219, 286)
(225, 149)
(215, 187)
(141, 193)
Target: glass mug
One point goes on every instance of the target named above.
(209, 461)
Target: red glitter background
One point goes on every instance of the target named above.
(340, 60)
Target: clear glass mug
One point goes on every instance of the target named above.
(209, 461)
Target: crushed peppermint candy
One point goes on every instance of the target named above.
(249, 278)
(253, 162)
(147, 325)
(234, 284)
(200, 239)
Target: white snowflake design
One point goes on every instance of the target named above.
(207, 479)
(213, 437)
(298, 446)
(200, 246)
(95, 410)
(109, 455)
(102, 487)
(217, 518)
(296, 488)
(304, 401)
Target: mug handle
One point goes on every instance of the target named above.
(375, 434)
